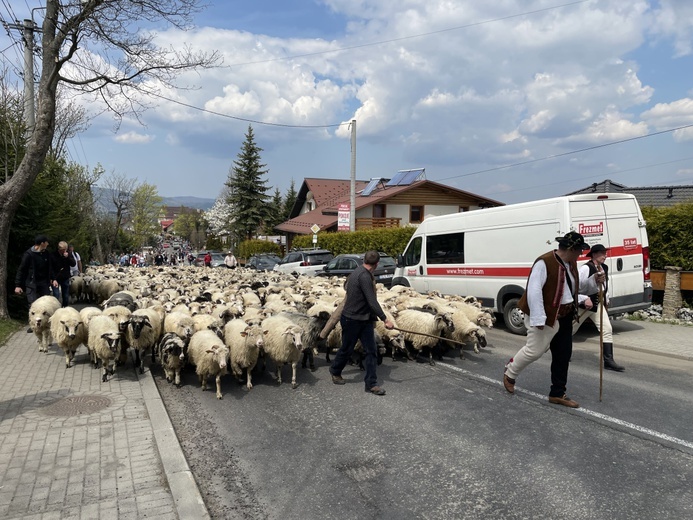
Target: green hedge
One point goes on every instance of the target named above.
(670, 233)
(388, 240)
(248, 248)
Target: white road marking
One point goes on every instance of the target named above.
(608, 418)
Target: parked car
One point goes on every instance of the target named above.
(262, 262)
(217, 259)
(344, 265)
(306, 261)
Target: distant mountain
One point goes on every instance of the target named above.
(189, 202)
(104, 199)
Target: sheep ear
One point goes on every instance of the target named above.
(105, 335)
(244, 334)
(265, 332)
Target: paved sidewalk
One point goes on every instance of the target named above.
(675, 341)
(72, 447)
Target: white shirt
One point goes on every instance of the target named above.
(535, 296)
(74, 271)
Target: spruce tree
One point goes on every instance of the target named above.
(248, 189)
(289, 202)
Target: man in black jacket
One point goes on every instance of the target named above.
(361, 308)
(34, 275)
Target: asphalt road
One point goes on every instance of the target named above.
(446, 441)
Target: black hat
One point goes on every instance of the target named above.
(40, 239)
(596, 248)
(572, 240)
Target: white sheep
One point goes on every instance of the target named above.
(104, 343)
(121, 317)
(76, 288)
(283, 344)
(40, 314)
(432, 325)
(244, 342)
(209, 322)
(180, 323)
(143, 333)
(171, 356)
(68, 331)
(209, 355)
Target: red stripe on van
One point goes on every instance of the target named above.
(478, 271)
(517, 272)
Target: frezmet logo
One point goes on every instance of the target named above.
(591, 229)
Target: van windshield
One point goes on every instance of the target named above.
(412, 255)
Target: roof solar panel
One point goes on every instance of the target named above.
(398, 176)
(409, 177)
(370, 187)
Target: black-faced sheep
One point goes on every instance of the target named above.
(104, 343)
(68, 331)
(170, 350)
(40, 314)
(210, 356)
(143, 333)
(244, 342)
(283, 344)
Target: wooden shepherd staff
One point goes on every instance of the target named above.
(601, 336)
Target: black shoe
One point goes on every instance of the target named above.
(29, 330)
(612, 365)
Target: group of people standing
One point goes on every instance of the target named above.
(42, 273)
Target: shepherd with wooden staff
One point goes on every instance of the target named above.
(595, 311)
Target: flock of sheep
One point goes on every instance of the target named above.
(213, 318)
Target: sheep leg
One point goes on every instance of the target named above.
(67, 359)
(138, 362)
(203, 382)
(294, 366)
(249, 384)
(278, 373)
(430, 357)
(219, 396)
(104, 377)
(177, 378)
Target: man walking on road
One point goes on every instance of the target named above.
(550, 307)
(361, 308)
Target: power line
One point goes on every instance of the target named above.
(610, 174)
(403, 38)
(595, 147)
(243, 118)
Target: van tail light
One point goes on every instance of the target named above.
(646, 263)
(304, 264)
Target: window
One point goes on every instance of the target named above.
(416, 214)
(462, 209)
(379, 210)
(412, 255)
(445, 249)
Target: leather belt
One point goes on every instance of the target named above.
(565, 309)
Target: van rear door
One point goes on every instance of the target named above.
(615, 222)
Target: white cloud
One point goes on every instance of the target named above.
(133, 137)
(673, 20)
(664, 116)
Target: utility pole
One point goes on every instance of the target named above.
(352, 199)
(28, 29)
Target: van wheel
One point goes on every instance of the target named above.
(514, 318)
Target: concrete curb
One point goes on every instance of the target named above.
(184, 489)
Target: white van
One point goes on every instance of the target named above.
(488, 253)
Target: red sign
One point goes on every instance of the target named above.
(630, 243)
(343, 217)
(591, 229)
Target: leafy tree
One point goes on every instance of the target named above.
(110, 58)
(146, 206)
(218, 217)
(247, 194)
(119, 192)
(190, 224)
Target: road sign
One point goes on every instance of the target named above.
(315, 228)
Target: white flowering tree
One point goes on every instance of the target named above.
(218, 218)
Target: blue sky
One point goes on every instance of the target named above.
(478, 93)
